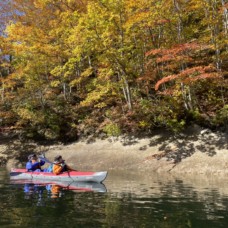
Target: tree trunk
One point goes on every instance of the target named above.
(2, 89)
(225, 17)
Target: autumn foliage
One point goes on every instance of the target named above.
(70, 68)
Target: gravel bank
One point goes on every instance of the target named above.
(196, 151)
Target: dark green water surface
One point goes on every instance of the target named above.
(127, 199)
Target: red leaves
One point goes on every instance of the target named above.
(202, 76)
(224, 8)
(165, 79)
(190, 75)
(173, 62)
(162, 22)
(153, 52)
(175, 50)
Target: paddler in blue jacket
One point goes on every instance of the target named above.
(33, 164)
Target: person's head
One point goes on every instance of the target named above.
(58, 159)
(32, 157)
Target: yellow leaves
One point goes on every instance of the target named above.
(28, 39)
(40, 3)
(4, 64)
(9, 82)
(75, 82)
(145, 13)
(25, 114)
(17, 32)
(57, 71)
(30, 115)
(105, 73)
(55, 83)
(94, 97)
(112, 129)
(77, 51)
(5, 46)
(99, 96)
(87, 72)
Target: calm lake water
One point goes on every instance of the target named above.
(127, 199)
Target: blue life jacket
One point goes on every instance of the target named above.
(49, 169)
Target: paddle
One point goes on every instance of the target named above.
(42, 157)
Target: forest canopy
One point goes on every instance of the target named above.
(88, 67)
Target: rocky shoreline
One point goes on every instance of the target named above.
(195, 151)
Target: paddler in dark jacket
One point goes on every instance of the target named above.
(59, 165)
(33, 164)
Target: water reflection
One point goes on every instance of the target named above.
(172, 201)
(132, 199)
(37, 191)
(33, 191)
(143, 184)
(56, 189)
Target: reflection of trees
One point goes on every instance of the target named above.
(24, 206)
(175, 204)
(131, 212)
(112, 212)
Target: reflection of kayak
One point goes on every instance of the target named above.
(75, 186)
(23, 174)
(85, 186)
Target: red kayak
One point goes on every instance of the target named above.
(23, 174)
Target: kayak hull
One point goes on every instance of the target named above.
(23, 174)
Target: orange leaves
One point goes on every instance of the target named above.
(190, 75)
(163, 80)
(175, 50)
(153, 52)
(162, 22)
(197, 70)
(182, 63)
(171, 57)
(202, 76)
